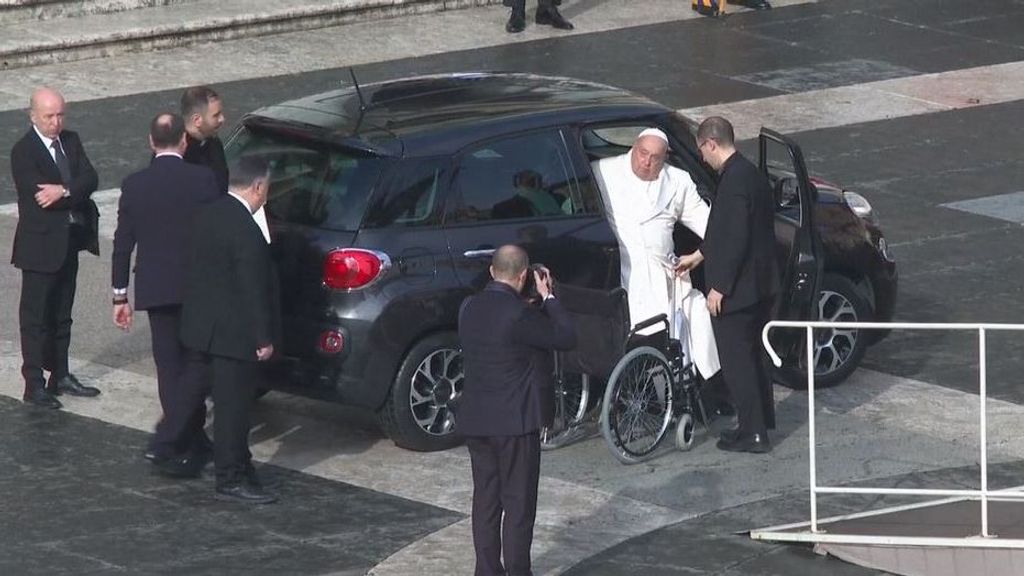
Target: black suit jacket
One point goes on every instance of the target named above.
(231, 306)
(739, 245)
(209, 153)
(155, 213)
(41, 238)
(507, 349)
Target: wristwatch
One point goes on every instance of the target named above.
(120, 296)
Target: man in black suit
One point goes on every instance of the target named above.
(155, 214)
(742, 278)
(230, 314)
(203, 111)
(56, 219)
(508, 396)
(547, 13)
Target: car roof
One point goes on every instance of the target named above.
(440, 114)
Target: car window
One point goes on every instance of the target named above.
(409, 195)
(311, 183)
(785, 186)
(524, 176)
(614, 140)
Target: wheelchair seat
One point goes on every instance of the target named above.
(602, 325)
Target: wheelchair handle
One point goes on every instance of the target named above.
(660, 318)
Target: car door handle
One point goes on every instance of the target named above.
(479, 253)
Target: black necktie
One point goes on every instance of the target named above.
(62, 161)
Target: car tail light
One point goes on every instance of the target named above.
(352, 268)
(331, 342)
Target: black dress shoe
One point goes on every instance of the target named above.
(244, 493)
(756, 4)
(552, 17)
(71, 386)
(756, 443)
(180, 467)
(516, 23)
(41, 398)
(730, 435)
(259, 481)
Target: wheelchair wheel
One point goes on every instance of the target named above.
(684, 432)
(637, 407)
(571, 397)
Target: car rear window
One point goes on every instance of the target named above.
(311, 183)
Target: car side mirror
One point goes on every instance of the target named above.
(787, 192)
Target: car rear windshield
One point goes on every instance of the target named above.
(311, 183)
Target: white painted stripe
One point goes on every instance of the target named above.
(872, 101)
(106, 201)
(289, 434)
(327, 48)
(576, 521)
(1008, 207)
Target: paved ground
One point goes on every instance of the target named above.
(908, 102)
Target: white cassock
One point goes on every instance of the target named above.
(643, 215)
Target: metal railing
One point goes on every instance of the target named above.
(984, 494)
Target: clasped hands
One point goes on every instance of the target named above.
(49, 194)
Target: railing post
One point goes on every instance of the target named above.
(810, 430)
(983, 393)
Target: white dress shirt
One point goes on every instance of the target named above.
(266, 232)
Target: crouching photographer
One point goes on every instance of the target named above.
(507, 397)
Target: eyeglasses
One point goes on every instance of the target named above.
(700, 145)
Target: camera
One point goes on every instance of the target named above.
(530, 288)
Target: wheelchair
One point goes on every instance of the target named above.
(649, 382)
(653, 386)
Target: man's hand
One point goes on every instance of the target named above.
(688, 262)
(123, 316)
(48, 194)
(542, 279)
(715, 302)
(264, 353)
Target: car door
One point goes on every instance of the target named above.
(522, 189)
(799, 245)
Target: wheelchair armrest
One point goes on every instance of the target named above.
(660, 318)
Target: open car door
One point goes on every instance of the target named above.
(796, 235)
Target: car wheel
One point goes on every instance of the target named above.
(418, 414)
(838, 352)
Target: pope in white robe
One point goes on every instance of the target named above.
(644, 199)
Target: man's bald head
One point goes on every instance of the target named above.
(167, 133)
(508, 264)
(46, 109)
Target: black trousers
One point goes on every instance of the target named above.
(745, 365)
(44, 316)
(183, 383)
(506, 470)
(519, 6)
(234, 390)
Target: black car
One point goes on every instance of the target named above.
(387, 201)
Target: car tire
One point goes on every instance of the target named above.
(418, 413)
(838, 352)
